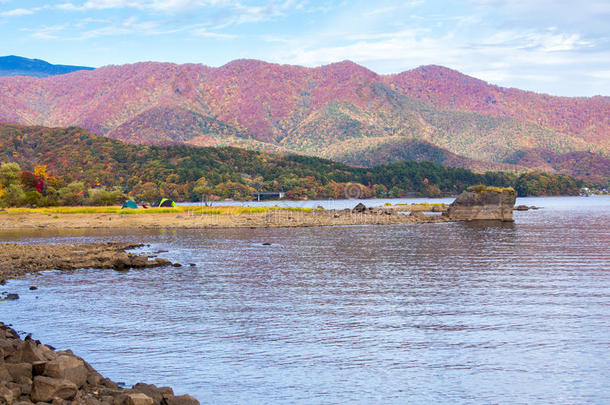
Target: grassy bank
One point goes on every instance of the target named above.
(229, 210)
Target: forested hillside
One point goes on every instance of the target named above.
(75, 154)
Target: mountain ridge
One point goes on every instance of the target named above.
(329, 111)
(12, 65)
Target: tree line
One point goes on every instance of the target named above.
(70, 166)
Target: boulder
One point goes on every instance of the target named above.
(139, 261)
(44, 389)
(121, 262)
(359, 208)
(136, 398)
(483, 203)
(18, 370)
(30, 351)
(67, 367)
(157, 394)
(182, 400)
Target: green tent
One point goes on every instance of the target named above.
(129, 204)
(165, 202)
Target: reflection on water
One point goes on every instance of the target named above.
(485, 312)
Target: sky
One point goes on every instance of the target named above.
(548, 46)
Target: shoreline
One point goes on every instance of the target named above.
(32, 372)
(193, 219)
(17, 260)
(35, 373)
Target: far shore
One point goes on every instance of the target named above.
(213, 217)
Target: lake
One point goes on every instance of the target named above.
(420, 313)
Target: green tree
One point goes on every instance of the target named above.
(102, 196)
(72, 194)
(10, 173)
(13, 196)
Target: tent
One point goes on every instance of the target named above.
(129, 204)
(164, 202)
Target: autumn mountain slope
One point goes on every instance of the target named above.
(340, 111)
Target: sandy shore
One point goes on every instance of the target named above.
(186, 219)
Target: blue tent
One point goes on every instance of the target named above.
(129, 204)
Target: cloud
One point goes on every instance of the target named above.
(16, 12)
(601, 74)
(204, 33)
(47, 32)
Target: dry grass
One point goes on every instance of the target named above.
(229, 210)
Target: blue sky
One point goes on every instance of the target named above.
(550, 46)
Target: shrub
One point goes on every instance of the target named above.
(13, 196)
(72, 194)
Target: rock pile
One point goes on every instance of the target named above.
(34, 373)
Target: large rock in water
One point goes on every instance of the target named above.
(482, 202)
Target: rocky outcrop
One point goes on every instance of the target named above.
(18, 259)
(483, 203)
(34, 373)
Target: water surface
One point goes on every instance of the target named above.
(460, 313)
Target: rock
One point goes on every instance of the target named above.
(182, 400)
(176, 265)
(6, 396)
(4, 374)
(44, 389)
(438, 208)
(483, 203)
(38, 367)
(137, 399)
(25, 385)
(18, 370)
(159, 262)
(107, 382)
(69, 368)
(139, 261)
(158, 395)
(12, 297)
(359, 208)
(121, 262)
(32, 352)
(417, 215)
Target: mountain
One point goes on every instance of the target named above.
(341, 111)
(18, 66)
